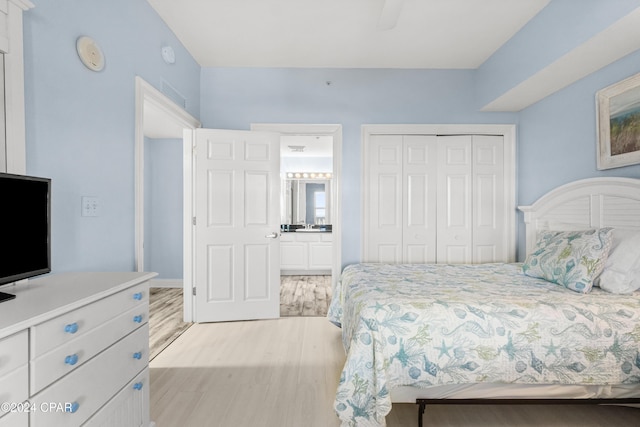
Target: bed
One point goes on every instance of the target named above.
(449, 333)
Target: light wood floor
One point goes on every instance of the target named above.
(284, 373)
(305, 295)
(165, 318)
(299, 296)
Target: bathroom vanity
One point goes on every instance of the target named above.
(306, 251)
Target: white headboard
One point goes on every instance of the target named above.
(593, 202)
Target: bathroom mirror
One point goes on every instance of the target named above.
(306, 201)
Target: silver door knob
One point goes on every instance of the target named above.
(273, 235)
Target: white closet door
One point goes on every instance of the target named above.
(419, 231)
(455, 198)
(383, 201)
(436, 199)
(489, 202)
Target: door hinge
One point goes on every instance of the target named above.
(193, 290)
(193, 220)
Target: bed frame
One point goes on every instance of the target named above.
(594, 202)
(422, 403)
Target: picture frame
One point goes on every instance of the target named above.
(618, 124)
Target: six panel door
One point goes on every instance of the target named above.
(237, 251)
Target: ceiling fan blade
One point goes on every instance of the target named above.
(390, 13)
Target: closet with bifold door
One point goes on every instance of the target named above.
(438, 198)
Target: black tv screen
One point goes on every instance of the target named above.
(25, 227)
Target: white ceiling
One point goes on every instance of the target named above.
(428, 34)
(345, 33)
(312, 145)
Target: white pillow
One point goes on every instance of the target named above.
(621, 274)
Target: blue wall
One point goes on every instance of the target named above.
(553, 32)
(233, 98)
(163, 207)
(80, 124)
(558, 138)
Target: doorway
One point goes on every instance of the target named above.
(310, 203)
(157, 119)
(222, 146)
(306, 170)
(159, 127)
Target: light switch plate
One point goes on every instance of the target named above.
(90, 206)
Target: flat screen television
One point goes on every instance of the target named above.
(25, 228)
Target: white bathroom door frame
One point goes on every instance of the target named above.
(335, 131)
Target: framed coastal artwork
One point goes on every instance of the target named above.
(618, 123)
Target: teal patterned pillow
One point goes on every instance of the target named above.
(572, 259)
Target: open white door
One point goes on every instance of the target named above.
(236, 248)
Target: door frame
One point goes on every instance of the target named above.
(335, 131)
(149, 95)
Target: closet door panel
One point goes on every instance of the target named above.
(388, 254)
(419, 198)
(457, 201)
(383, 199)
(454, 199)
(387, 191)
(489, 236)
(442, 199)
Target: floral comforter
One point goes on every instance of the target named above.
(426, 325)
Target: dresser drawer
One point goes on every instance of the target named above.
(14, 352)
(127, 408)
(14, 369)
(71, 355)
(55, 332)
(14, 387)
(87, 388)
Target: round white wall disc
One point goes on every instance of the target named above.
(90, 53)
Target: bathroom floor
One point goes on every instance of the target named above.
(305, 295)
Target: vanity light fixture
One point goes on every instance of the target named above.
(309, 175)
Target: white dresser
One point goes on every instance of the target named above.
(74, 350)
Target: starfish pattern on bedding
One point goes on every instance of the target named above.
(444, 349)
(551, 348)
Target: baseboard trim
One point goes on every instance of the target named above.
(165, 283)
(305, 272)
